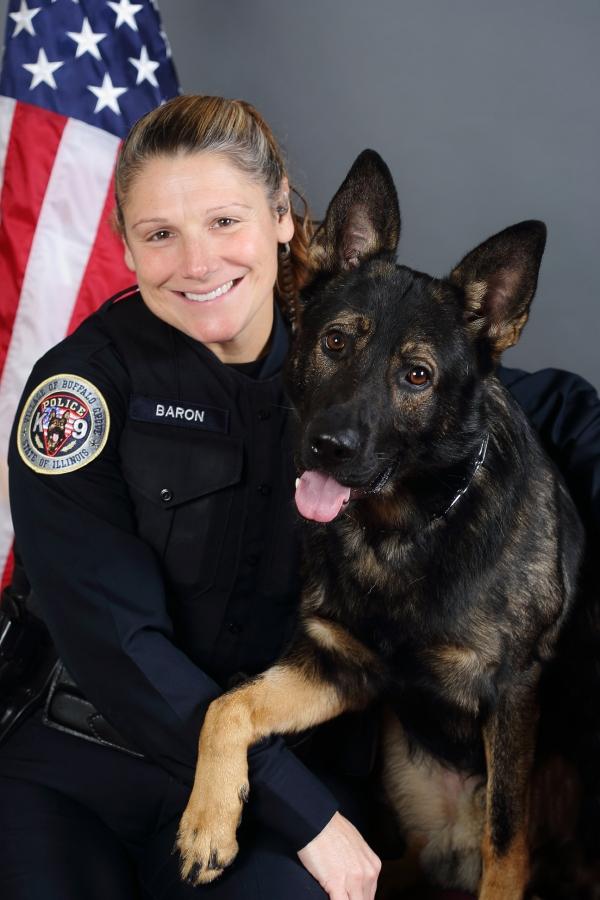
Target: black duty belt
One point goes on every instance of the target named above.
(27, 657)
(68, 710)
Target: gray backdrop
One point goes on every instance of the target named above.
(487, 113)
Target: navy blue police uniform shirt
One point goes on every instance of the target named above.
(565, 411)
(167, 565)
(152, 497)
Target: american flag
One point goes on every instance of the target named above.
(76, 75)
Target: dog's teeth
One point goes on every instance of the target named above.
(297, 483)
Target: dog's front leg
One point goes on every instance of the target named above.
(509, 738)
(289, 697)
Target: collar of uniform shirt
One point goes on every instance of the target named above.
(272, 362)
(275, 358)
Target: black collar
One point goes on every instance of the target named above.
(478, 462)
(467, 481)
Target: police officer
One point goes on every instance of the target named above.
(151, 484)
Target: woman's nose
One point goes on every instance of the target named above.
(198, 260)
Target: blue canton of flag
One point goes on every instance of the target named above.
(105, 63)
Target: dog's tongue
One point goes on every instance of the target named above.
(320, 497)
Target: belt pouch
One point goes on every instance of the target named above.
(68, 710)
(27, 661)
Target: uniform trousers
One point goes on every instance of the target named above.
(79, 821)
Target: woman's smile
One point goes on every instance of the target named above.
(220, 291)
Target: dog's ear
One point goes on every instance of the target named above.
(498, 279)
(362, 220)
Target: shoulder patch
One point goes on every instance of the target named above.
(64, 425)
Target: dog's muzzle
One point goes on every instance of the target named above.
(321, 497)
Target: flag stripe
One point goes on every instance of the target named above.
(7, 110)
(8, 569)
(60, 250)
(106, 271)
(31, 149)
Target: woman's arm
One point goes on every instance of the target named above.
(565, 410)
(101, 592)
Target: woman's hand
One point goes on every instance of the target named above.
(342, 861)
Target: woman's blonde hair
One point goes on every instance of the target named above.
(236, 130)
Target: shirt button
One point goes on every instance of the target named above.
(166, 495)
(263, 415)
(264, 490)
(234, 627)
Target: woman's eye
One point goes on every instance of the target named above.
(418, 376)
(160, 235)
(223, 222)
(334, 341)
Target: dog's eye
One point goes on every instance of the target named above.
(418, 376)
(334, 341)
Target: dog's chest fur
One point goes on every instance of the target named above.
(445, 603)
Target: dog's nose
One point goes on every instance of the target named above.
(335, 448)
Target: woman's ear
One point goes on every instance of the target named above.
(283, 209)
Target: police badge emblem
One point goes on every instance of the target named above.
(64, 425)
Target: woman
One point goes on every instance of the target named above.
(156, 528)
(162, 552)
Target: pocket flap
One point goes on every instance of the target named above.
(171, 470)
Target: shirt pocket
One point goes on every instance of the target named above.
(182, 487)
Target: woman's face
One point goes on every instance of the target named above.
(202, 239)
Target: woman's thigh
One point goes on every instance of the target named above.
(51, 848)
(140, 805)
(265, 868)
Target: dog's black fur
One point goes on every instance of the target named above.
(444, 582)
(412, 576)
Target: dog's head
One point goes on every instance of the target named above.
(389, 366)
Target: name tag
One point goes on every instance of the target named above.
(176, 412)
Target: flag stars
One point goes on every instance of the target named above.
(23, 18)
(107, 95)
(145, 68)
(87, 41)
(42, 70)
(126, 13)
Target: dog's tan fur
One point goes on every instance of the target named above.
(338, 640)
(442, 812)
(285, 699)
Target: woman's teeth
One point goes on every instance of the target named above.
(200, 298)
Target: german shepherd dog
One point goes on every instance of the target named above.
(441, 547)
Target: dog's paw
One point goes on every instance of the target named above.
(204, 856)
(207, 843)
